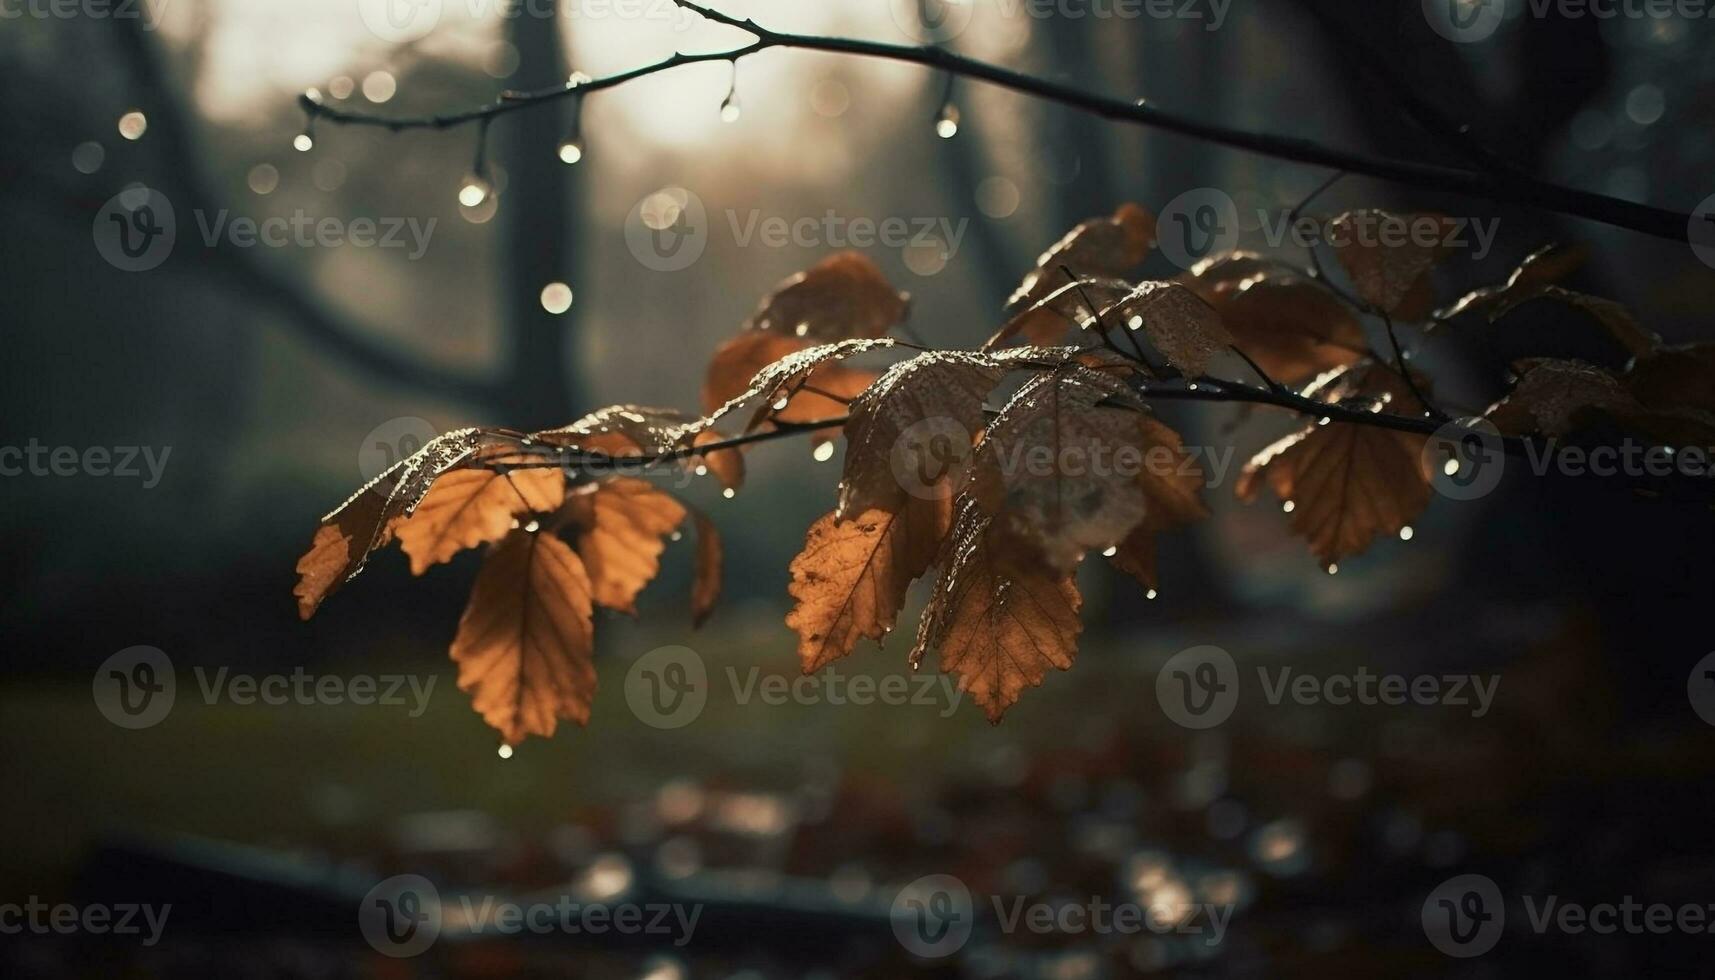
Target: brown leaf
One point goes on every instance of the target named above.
(851, 577)
(842, 297)
(706, 580)
(621, 524)
(1181, 325)
(1552, 395)
(1545, 266)
(1291, 325)
(525, 645)
(1172, 485)
(466, 508)
(365, 522)
(758, 366)
(1386, 261)
(998, 620)
(625, 431)
(1047, 467)
(1346, 482)
(1073, 303)
(1609, 315)
(937, 397)
(1675, 378)
(1100, 247)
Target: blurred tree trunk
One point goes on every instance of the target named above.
(543, 200)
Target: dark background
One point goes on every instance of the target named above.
(264, 369)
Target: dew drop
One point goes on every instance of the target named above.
(1150, 594)
(505, 752)
(1405, 533)
(1112, 551)
(729, 493)
(1289, 506)
(824, 452)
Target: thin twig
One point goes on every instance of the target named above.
(1485, 184)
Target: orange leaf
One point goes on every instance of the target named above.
(998, 619)
(365, 522)
(1386, 260)
(706, 581)
(1291, 325)
(622, 522)
(466, 508)
(851, 577)
(938, 399)
(525, 645)
(1172, 485)
(1048, 466)
(1099, 247)
(1552, 395)
(842, 297)
(1346, 482)
(1542, 267)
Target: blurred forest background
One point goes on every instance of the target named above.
(265, 368)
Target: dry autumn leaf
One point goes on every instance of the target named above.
(706, 577)
(1292, 326)
(999, 620)
(1074, 303)
(621, 524)
(777, 384)
(1186, 330)
(366, 521)
(525, 645)
(1345, 482)
(1049, 466)
(1172, 485)
(1388, 263)
(851, 578)
(466, 508)
(843, 297)
(1545, 266)
(622, 431)
(938, 396)
(1552, 395)
(1098, 248)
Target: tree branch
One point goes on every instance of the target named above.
(1499, 185)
